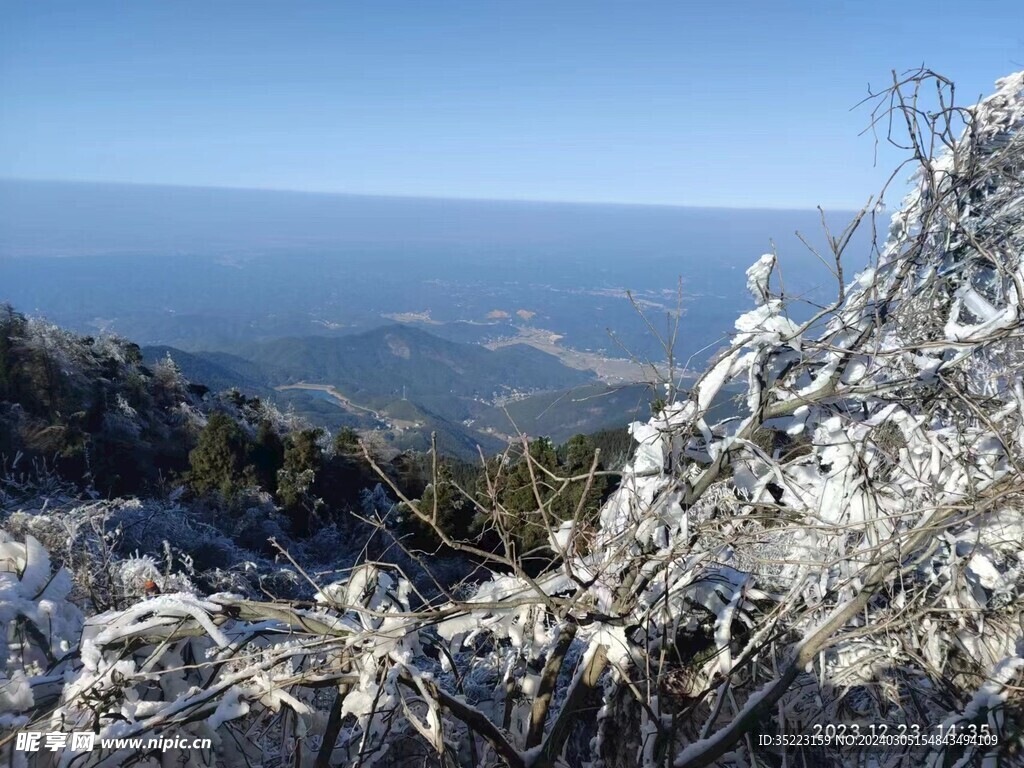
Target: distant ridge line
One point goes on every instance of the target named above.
(398, 196)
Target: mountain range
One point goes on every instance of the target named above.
(407, 383)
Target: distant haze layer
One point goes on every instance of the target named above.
(209, 268)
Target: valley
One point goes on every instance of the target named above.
(333, 393)
(611, 370)
(404, 383)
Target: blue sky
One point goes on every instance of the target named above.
(724, 103)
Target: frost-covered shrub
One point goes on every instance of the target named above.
(257, 527)
(40, 626)
(93, 539)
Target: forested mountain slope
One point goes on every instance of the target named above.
(406, 382)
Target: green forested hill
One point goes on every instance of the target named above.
(560, 415)
(383, 361)
(417, 382)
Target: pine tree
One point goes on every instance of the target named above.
(220, 459)
(303, 462)
(579, 457)
(346, 441)
(267, 456)
(454, 511)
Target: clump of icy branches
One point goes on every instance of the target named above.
(848, 550)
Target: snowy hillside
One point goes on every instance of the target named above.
(846, 554)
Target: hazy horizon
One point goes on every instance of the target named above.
(406, 196)
(46, 217)
(211, 268)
